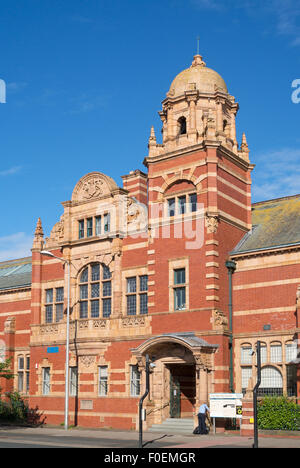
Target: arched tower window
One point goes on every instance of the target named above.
(95, 291)
(182, 125)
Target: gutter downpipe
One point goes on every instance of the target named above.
(141, 402)
(231, 266)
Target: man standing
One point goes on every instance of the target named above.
(203, 412)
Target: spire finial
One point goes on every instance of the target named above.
(152, 138)
(198, 44)
(39, 230)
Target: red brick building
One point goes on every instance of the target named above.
(176, 264)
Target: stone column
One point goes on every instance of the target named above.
(9, 339)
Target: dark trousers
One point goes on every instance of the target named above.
(201, 421)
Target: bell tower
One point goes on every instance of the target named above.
(198, 171)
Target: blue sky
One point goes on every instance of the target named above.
(85, 79)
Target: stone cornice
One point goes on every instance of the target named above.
(205, 144)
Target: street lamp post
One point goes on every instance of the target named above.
(50, 254)
(258, 360)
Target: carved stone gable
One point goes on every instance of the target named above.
(93, 185)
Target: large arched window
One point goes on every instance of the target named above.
(95, 291)
(271, 381)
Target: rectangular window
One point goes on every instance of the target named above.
(144, 283)
(98, 225)
(96, 272)
(27, 373)
(84, 291)
(83, 312)
(179, 298)
(95, 289)
(49, 313)
(46, 381)
(290, 351)
(106, 272)
(106, 222)
(179, 276)
(246, 375)
(102, 381)
(171, 207)
(54, 305)
(276, 353)
(81, 228)
(95, 308)
(246, 355)
(179, 292)
(106, 307)
(135, 381)
(143, 304)
(182, 204)
(131, 304)
(131, 285)
(106, 288)
(49, 296)
(89, 227)
(59, 312)
(59, 294)
(73, 381)
(20, 374)
(193, 202)
(137, 297)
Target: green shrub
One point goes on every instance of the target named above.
(278, 413)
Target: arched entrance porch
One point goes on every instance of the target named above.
(182, 377)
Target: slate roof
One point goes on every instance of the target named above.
(275, 223)
(15, 273)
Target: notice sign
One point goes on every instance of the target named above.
(225, 405)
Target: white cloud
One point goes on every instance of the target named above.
(16, 245)
(277, 174)
(11, 171)
(285, 12)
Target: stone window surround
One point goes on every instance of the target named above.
(129, 273)
(175, 264)
(77, 291)
(25, 370)
(51, 285)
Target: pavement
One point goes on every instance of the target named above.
(57, 437)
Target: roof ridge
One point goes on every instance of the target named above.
(276, 199)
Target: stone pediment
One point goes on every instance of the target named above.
(92, 186)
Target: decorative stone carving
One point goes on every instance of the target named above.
(100, 323)
(57, 233)
(133, 322)
(10, 325)
(93, 185)
(219, 320)
(211, 224)
(87, 361)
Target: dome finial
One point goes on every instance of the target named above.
(198, 61)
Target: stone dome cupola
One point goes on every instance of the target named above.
(198, 77)
(198, 109)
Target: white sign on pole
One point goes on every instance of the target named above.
(225, 405)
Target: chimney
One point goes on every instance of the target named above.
(136, 184)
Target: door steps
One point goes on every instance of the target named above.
(174, 426)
